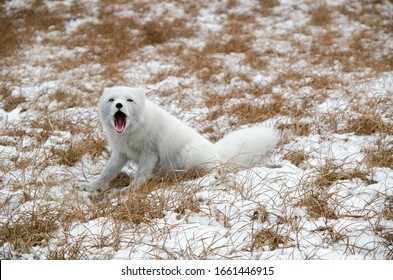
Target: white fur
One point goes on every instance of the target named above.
(155, 140)
(246, 147)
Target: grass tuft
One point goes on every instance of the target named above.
(29, 231)
(137, 208)
(9, 101)
(381, 155)
(321, 16)
(267, 238)
(331, 173)
(76, 150)
(317, 206)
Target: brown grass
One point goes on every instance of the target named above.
(321, 16)
(297, 128)
(317, 206)
(247, 113)
(120, 37)
(50, 123)
(361, 53)
(137, 208)
(68, 99)
(161, 31)
(388, 209)
(24, 235)
(368, 120)
(269, 238)
(332, 233)
(331, 173)
(9, 101)
(19, 27)
(354, 60)
(75, 151)
(28, 231)
(381, 155)
(296, 157)
(368, 125)
(265, 7)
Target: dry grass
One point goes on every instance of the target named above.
(20, 26)
(240, 66)
(296, 157)
(267, 237)
(10, 102)
(75, 151)
(265, 7)
(381, 155)
(388, 210)
(24, 234)
(317, 206)
(321, 16)
(137, 208)
(361, 51)
(331, 173)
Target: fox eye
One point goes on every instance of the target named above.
(111, 100)
(130, 100)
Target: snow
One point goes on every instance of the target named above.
(222, 216)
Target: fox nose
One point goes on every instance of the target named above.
(119, 105)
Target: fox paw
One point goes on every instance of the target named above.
(89, 187)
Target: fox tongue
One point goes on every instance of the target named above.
(120, 121)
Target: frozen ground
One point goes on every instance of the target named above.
(321, 72)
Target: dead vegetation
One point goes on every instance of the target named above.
(317, 206)
(23, 234)
(331, 173)
(242, 68)
(269, 238)
(381, 155)
(10, 101)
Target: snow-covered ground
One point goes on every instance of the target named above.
(321, 72)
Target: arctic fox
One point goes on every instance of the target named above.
(140, 131)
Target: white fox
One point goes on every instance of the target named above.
(142, 132)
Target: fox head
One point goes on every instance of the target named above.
(121, 108)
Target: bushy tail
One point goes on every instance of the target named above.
(245, 148)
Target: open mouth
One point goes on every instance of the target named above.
(120, 121)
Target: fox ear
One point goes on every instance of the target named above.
(105, 92)
(113, 90)
(141, 92)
